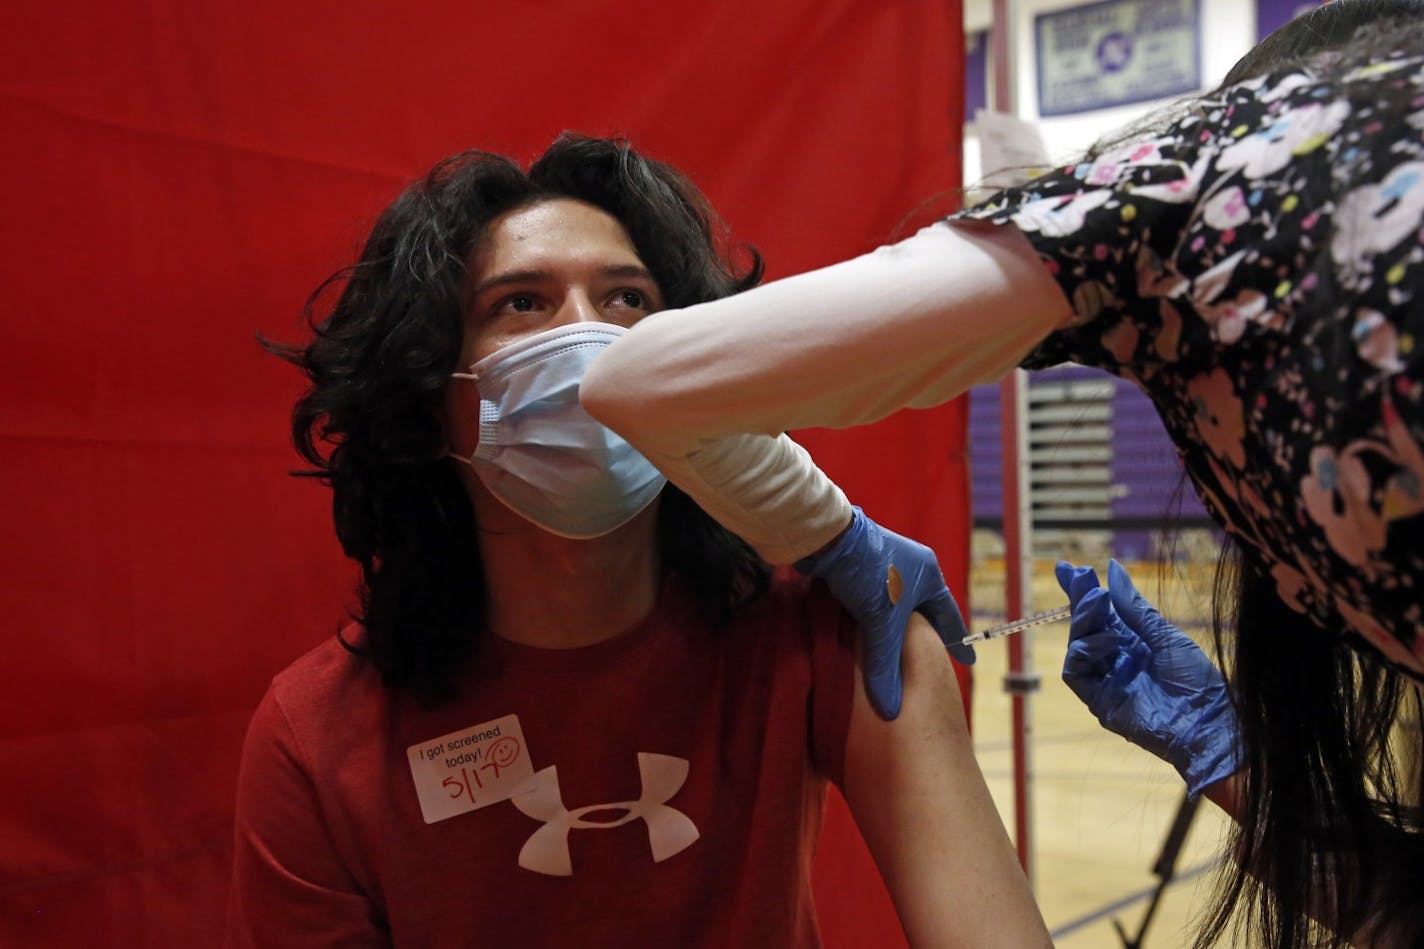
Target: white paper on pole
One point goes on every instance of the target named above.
(1011, 151)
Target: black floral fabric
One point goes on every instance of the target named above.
(1258, 269)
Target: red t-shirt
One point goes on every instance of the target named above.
(664, 788)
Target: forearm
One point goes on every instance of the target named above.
(764, 489)
(921, 803)
(1225, 794)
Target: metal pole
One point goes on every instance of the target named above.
(1020, 681)
(1001, 55)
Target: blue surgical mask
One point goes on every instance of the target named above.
(540, 453)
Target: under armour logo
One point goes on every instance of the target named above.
(669, 830)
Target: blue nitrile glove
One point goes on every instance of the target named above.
(857, 569)
(1145, 679)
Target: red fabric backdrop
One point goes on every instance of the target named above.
(180, 175)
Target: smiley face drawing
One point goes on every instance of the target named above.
(502, 753)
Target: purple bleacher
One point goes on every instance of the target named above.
(1147, 493)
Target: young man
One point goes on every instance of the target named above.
(575, 710)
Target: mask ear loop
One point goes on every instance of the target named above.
(450, 452)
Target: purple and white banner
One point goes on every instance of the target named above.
(1116, 52)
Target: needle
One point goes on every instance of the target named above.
(1018, 625)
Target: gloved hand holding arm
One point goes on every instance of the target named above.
(1145, 679)
(882, 578)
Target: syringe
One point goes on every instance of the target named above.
(1018, 625)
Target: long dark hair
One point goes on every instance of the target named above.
(1328, 846)
(1329, 827)
(380, 358)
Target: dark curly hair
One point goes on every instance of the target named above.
(379, 361)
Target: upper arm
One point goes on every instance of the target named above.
(920, 801)
(290, 886)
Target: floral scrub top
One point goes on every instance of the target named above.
(1259, 270)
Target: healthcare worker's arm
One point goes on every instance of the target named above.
(703, 392)
(920, 801)
(1226, 794)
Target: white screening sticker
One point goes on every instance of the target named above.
(471, 768)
